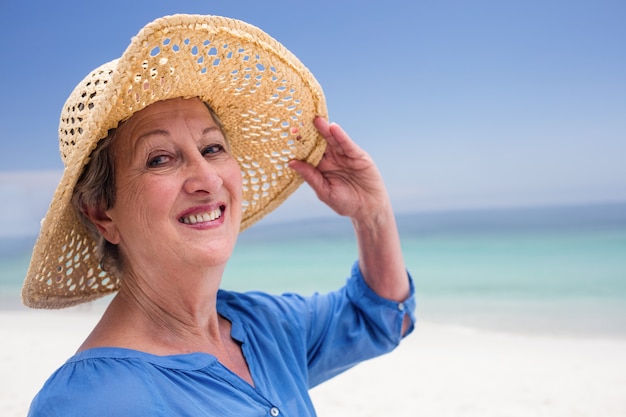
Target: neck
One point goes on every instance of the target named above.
(180, 317)
(165, 314)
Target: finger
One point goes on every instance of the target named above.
(342, 141)
(309, 173)
(324, 128)
(337, 138)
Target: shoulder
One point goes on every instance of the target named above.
(283, 320)
(255, 304)
(94, 384)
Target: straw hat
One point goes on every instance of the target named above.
(265, 97)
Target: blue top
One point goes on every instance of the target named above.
(291, 343)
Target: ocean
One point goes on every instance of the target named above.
(559, 271)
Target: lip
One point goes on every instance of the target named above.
(199, 210)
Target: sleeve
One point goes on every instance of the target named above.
(352, 325)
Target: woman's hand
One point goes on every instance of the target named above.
(348, 181)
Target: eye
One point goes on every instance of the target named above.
(213, 149)
(158, 160)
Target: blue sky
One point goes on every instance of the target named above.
(463, 104)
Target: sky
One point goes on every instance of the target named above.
(462, 104)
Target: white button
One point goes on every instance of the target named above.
(401, 306)
(274, 411)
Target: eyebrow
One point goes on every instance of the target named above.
(152, 133)
(164, 132)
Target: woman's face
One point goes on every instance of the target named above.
(178, 188)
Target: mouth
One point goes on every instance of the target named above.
(203, 217)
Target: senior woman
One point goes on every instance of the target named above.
(204, 125)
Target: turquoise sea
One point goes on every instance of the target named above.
(555, 270)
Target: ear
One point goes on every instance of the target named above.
(103, 222)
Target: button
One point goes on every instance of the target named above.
(401, 306)
(274, 412)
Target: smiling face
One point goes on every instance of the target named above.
(178, 200)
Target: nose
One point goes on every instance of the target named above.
(202, 177)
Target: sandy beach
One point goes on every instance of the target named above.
(438, 371)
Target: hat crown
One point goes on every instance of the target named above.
(75, 113)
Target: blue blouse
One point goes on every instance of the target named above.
(291, 343)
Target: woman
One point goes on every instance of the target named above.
(194, 133)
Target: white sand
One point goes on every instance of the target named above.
(438, 371)
(445, 371)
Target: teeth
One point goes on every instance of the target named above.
(202, 217)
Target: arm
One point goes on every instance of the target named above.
(349, 182)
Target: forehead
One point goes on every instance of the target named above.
(161, 115)
(162, 119)
(169, 109)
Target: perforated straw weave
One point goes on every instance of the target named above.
(266, 98)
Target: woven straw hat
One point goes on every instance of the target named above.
(265, 97)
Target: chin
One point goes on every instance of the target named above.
(217, 255)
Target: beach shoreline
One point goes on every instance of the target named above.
(439, 370)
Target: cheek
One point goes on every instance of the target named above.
(141, 200)
(128, 194)
(234, 181)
